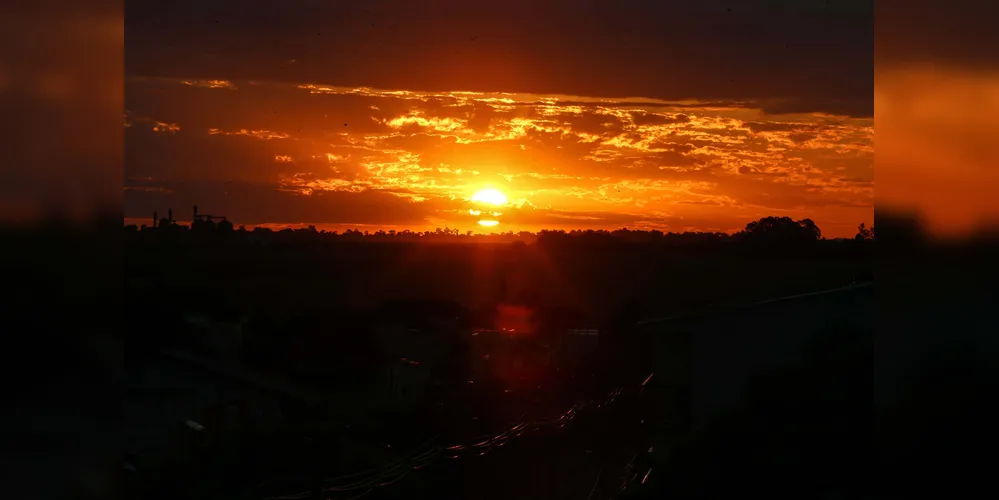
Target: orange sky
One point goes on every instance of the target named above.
(672, 115)
(286, 154)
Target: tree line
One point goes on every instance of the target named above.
(767, 230)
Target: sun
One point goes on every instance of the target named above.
(490, 196)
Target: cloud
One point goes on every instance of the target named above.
(757, 127)
(210, 84)
(700, 202)
(791, 56)
(755, 172)
(646, 118)
(258, 134)
(426, 152)
(248, 203)
(860, 107)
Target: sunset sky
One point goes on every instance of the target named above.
(668, 115)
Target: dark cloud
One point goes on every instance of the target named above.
(858, 107)
(281, 108)
(701, 202)
(589, 122)
(955, 33)
(757, 127)
(862, 181)
(644, 118)
(248, 203)
(662, 104)
(800, 137)
(757, 172)
(560, 218)
(672, 159)
(196, 155)
(806, 55)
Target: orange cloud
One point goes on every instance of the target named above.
(210, 84)
(156, 125)
(166, 127)
(259, 134)
(560, 159)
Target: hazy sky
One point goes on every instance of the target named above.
(696, 115)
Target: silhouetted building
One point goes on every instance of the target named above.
(206, 223)
(164, 223)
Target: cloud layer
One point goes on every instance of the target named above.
(788, 55)
(285, 153)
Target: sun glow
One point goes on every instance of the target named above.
(490, 196)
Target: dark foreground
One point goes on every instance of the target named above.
(302, 366)
(685, 425)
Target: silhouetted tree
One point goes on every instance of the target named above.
(782, 230)
(864, 232)
(768, 233)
